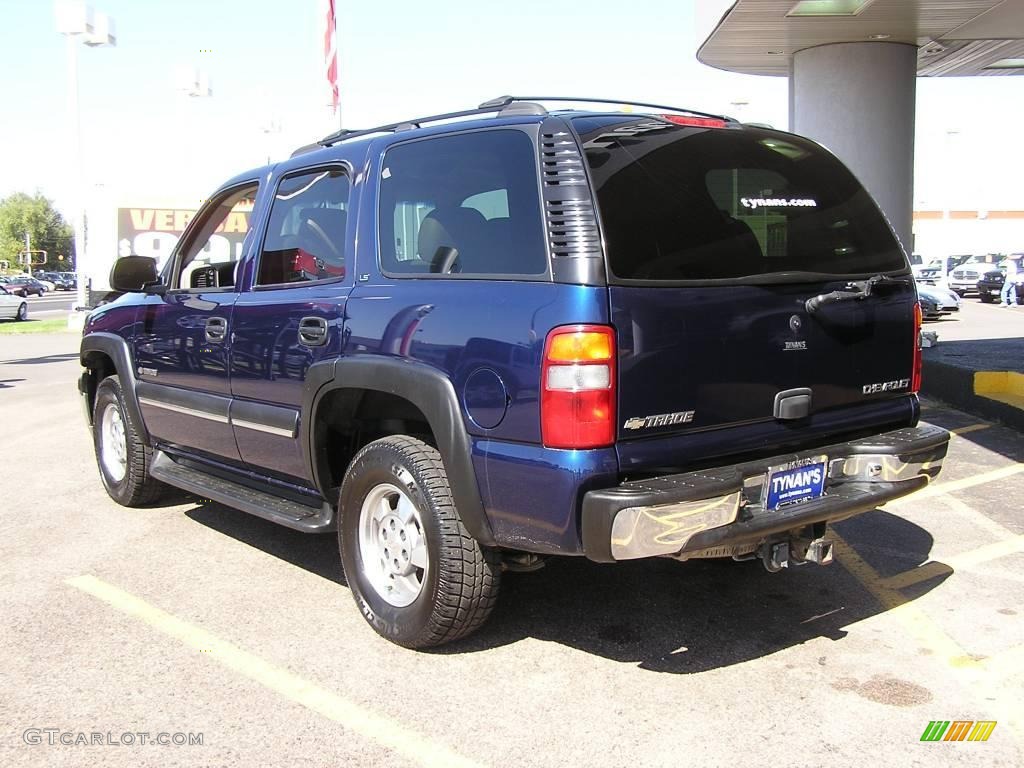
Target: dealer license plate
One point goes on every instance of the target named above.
(797, 481)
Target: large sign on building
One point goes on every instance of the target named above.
(155, 231)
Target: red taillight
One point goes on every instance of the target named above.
(699, 122)
(915, 378)
(577, 403)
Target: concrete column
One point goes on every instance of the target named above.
(857, 99)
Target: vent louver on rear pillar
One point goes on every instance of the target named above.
(573, 236)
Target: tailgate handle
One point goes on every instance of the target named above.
(793, 404)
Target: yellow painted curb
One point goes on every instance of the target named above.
(1002, 386)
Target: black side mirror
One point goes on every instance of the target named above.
(133, 274)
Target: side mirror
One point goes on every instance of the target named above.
(133, 274)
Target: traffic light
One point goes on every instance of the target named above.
(33, 258)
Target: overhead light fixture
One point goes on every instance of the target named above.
(828, 7)
(103, 34)
(1007, 64)
(775, 53)
(879, 37)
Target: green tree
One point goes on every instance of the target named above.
(21, 212)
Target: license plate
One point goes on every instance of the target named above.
(796, 481)
(994, 291)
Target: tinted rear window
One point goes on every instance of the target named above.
(464, 205)
(689, 203)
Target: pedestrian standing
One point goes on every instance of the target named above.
(1008, 296)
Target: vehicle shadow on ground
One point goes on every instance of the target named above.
(686, 618)
(42, 360)
(1000, 439)
(316, 553)
(664, 616)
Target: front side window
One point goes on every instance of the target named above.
(696, 203)
(464, 205)
(305, 238)
(210, 258)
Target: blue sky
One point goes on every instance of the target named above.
(147, 143)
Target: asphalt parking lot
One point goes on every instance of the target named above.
(191, 618)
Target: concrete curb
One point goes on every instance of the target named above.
(948, 375)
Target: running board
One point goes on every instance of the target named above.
(291, 514)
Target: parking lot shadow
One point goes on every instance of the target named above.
(692, 617)
(664, 616)
(1005, 441)
(950, 375)
(316, 553)
(42, 360)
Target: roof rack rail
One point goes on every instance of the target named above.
(505, 101)
(503, 105)
(405, 125)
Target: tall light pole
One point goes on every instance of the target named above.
(79, 23)
(192, 84)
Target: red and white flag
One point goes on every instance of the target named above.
(331, 50)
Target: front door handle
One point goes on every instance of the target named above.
(313, 331)
(216, 329)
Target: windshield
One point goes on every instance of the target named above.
(683, 203)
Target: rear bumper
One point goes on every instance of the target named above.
(690, 513)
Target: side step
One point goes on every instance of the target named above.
(285, 512)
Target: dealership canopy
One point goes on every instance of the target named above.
(852, 68)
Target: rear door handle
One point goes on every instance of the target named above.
(216, 329)
(313, 331)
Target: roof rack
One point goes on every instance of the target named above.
(503, 105)
(406, 125)
(505, 101)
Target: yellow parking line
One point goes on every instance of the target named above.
(927, 632)
(965, 561)
(930, 570)
(988, 552)
(958, 485)
(383, 730)
(977, 518)
(968, 429)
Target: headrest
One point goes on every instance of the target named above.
(458, 228)
(322, 232)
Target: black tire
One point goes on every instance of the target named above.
(22, 311)
(459, 586)
(985, 298)
(135, 488)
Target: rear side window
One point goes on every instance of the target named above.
(305, 238)
(691, 203)
(462, 206)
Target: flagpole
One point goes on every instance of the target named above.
(330, 47)
(337, 58)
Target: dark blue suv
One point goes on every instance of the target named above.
(474, 340)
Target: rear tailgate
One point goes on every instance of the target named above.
(723, 354)
(716, 238)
